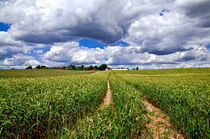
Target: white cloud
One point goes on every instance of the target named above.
(71, 52)
(19, 60)
(166, 34)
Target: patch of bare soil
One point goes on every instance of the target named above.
(108, 97)
(94, 72)
(91, 72)
(159, 123)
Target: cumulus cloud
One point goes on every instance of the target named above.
(168, 32)
(18, 60)
(71, 52)
(10, 47)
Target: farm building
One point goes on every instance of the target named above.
(119, 69)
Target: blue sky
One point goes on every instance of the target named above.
(90, 43)
(4, 26)
(208, 46)
(37, 51)
(118, 33)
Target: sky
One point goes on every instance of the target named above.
(149, 34)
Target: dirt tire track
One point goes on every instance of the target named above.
(159, 123)
(108, 97)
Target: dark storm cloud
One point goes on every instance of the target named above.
(49, 22)
(165, 51)
(46, 38)
(97, 32)
(199, 10)
(187, 58)
(90, 30)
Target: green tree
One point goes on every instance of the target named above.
(137, 68)
(103, 67)
(90, 68)
(43, 67)
(70, 67)
(29, 67)
(38, 67)
(95, 67)
(82, 67)
(73, 67)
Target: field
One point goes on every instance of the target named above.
(169, 103)
(184, 94)
(37, 73)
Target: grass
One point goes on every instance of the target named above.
(17, 73)
(171, 72)
(185, 97)
(47, 106)
(126, 118)
(62, 103)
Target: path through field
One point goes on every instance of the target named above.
(159, 123)
(108, 97)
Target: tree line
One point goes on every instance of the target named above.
(72, 67)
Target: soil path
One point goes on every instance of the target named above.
(159, 123)
(92, 72)
(95, 72)
(108, 97)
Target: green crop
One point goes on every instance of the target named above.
(126, 117)
(185, 96)
(41, 107)
(67, 104)
(129, 107)
(38, 73)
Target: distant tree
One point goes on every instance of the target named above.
(95, 67)
(29, 67)
(38, 67)
(90, 68)
(74, 67)
(137, 68)
(103, 67)
(70, 67)
(43, 67)
(82, 67)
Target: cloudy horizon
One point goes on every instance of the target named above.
(149, 34)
